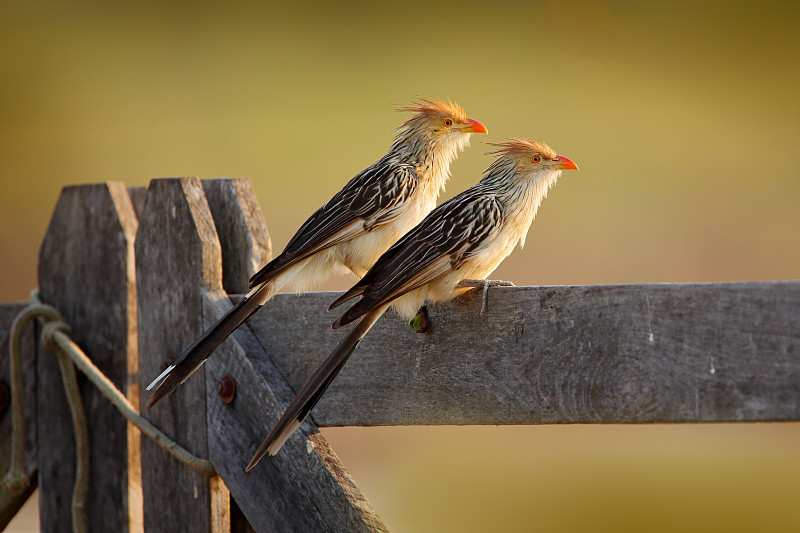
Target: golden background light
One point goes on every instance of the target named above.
(682, 118)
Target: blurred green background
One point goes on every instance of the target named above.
(683, 117)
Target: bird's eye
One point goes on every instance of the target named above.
(536, 159)
(448, 122)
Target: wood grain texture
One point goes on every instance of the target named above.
(243, 235)
(596, 354)
(305, 487)
(177, 259)
(10, 504)
(86, 272)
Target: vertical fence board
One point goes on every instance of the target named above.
(243, 235)
(177, 259)
(10, 504)
(86, 272)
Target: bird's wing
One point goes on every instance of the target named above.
(442, 242)
(374, 197)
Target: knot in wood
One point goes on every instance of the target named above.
(226, 388)
(623, 389)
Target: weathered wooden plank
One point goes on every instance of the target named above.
(177, 259)
(242, 232)
(305, 487)
(86, 272)
(610, 354)
(10, 504)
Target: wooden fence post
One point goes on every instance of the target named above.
(177, 260)
(243, 235)
(86, 272)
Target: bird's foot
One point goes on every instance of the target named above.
(463, 299)
(484, 284)
(420, 322)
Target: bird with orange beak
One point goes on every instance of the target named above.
(371, 212)
(451, 251)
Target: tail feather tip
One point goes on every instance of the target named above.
(272, 446)
(160, 377)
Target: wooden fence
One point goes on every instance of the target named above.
(138, 274)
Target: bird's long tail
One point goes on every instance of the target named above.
(200, 350)
(314, 388)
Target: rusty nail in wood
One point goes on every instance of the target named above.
(5, 397)
(226, 388)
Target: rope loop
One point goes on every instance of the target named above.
(55, 337)
(46, 338)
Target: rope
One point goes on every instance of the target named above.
(55, 337)
(82, 459)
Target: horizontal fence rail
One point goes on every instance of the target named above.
(541, 355)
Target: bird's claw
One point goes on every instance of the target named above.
(484, 284)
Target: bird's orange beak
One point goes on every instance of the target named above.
(565, 163)
(473, 126)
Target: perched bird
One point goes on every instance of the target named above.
(354, 228)
(452, 250)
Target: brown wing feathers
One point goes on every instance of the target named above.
(372, 192)
(440, 243)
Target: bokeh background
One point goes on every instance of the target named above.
(683, 117)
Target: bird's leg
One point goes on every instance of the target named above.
(484, 284)
(420, 322)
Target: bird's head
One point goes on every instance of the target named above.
(435, 127)
(529, 160)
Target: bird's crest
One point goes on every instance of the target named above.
(428, 107)
(520, 146)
